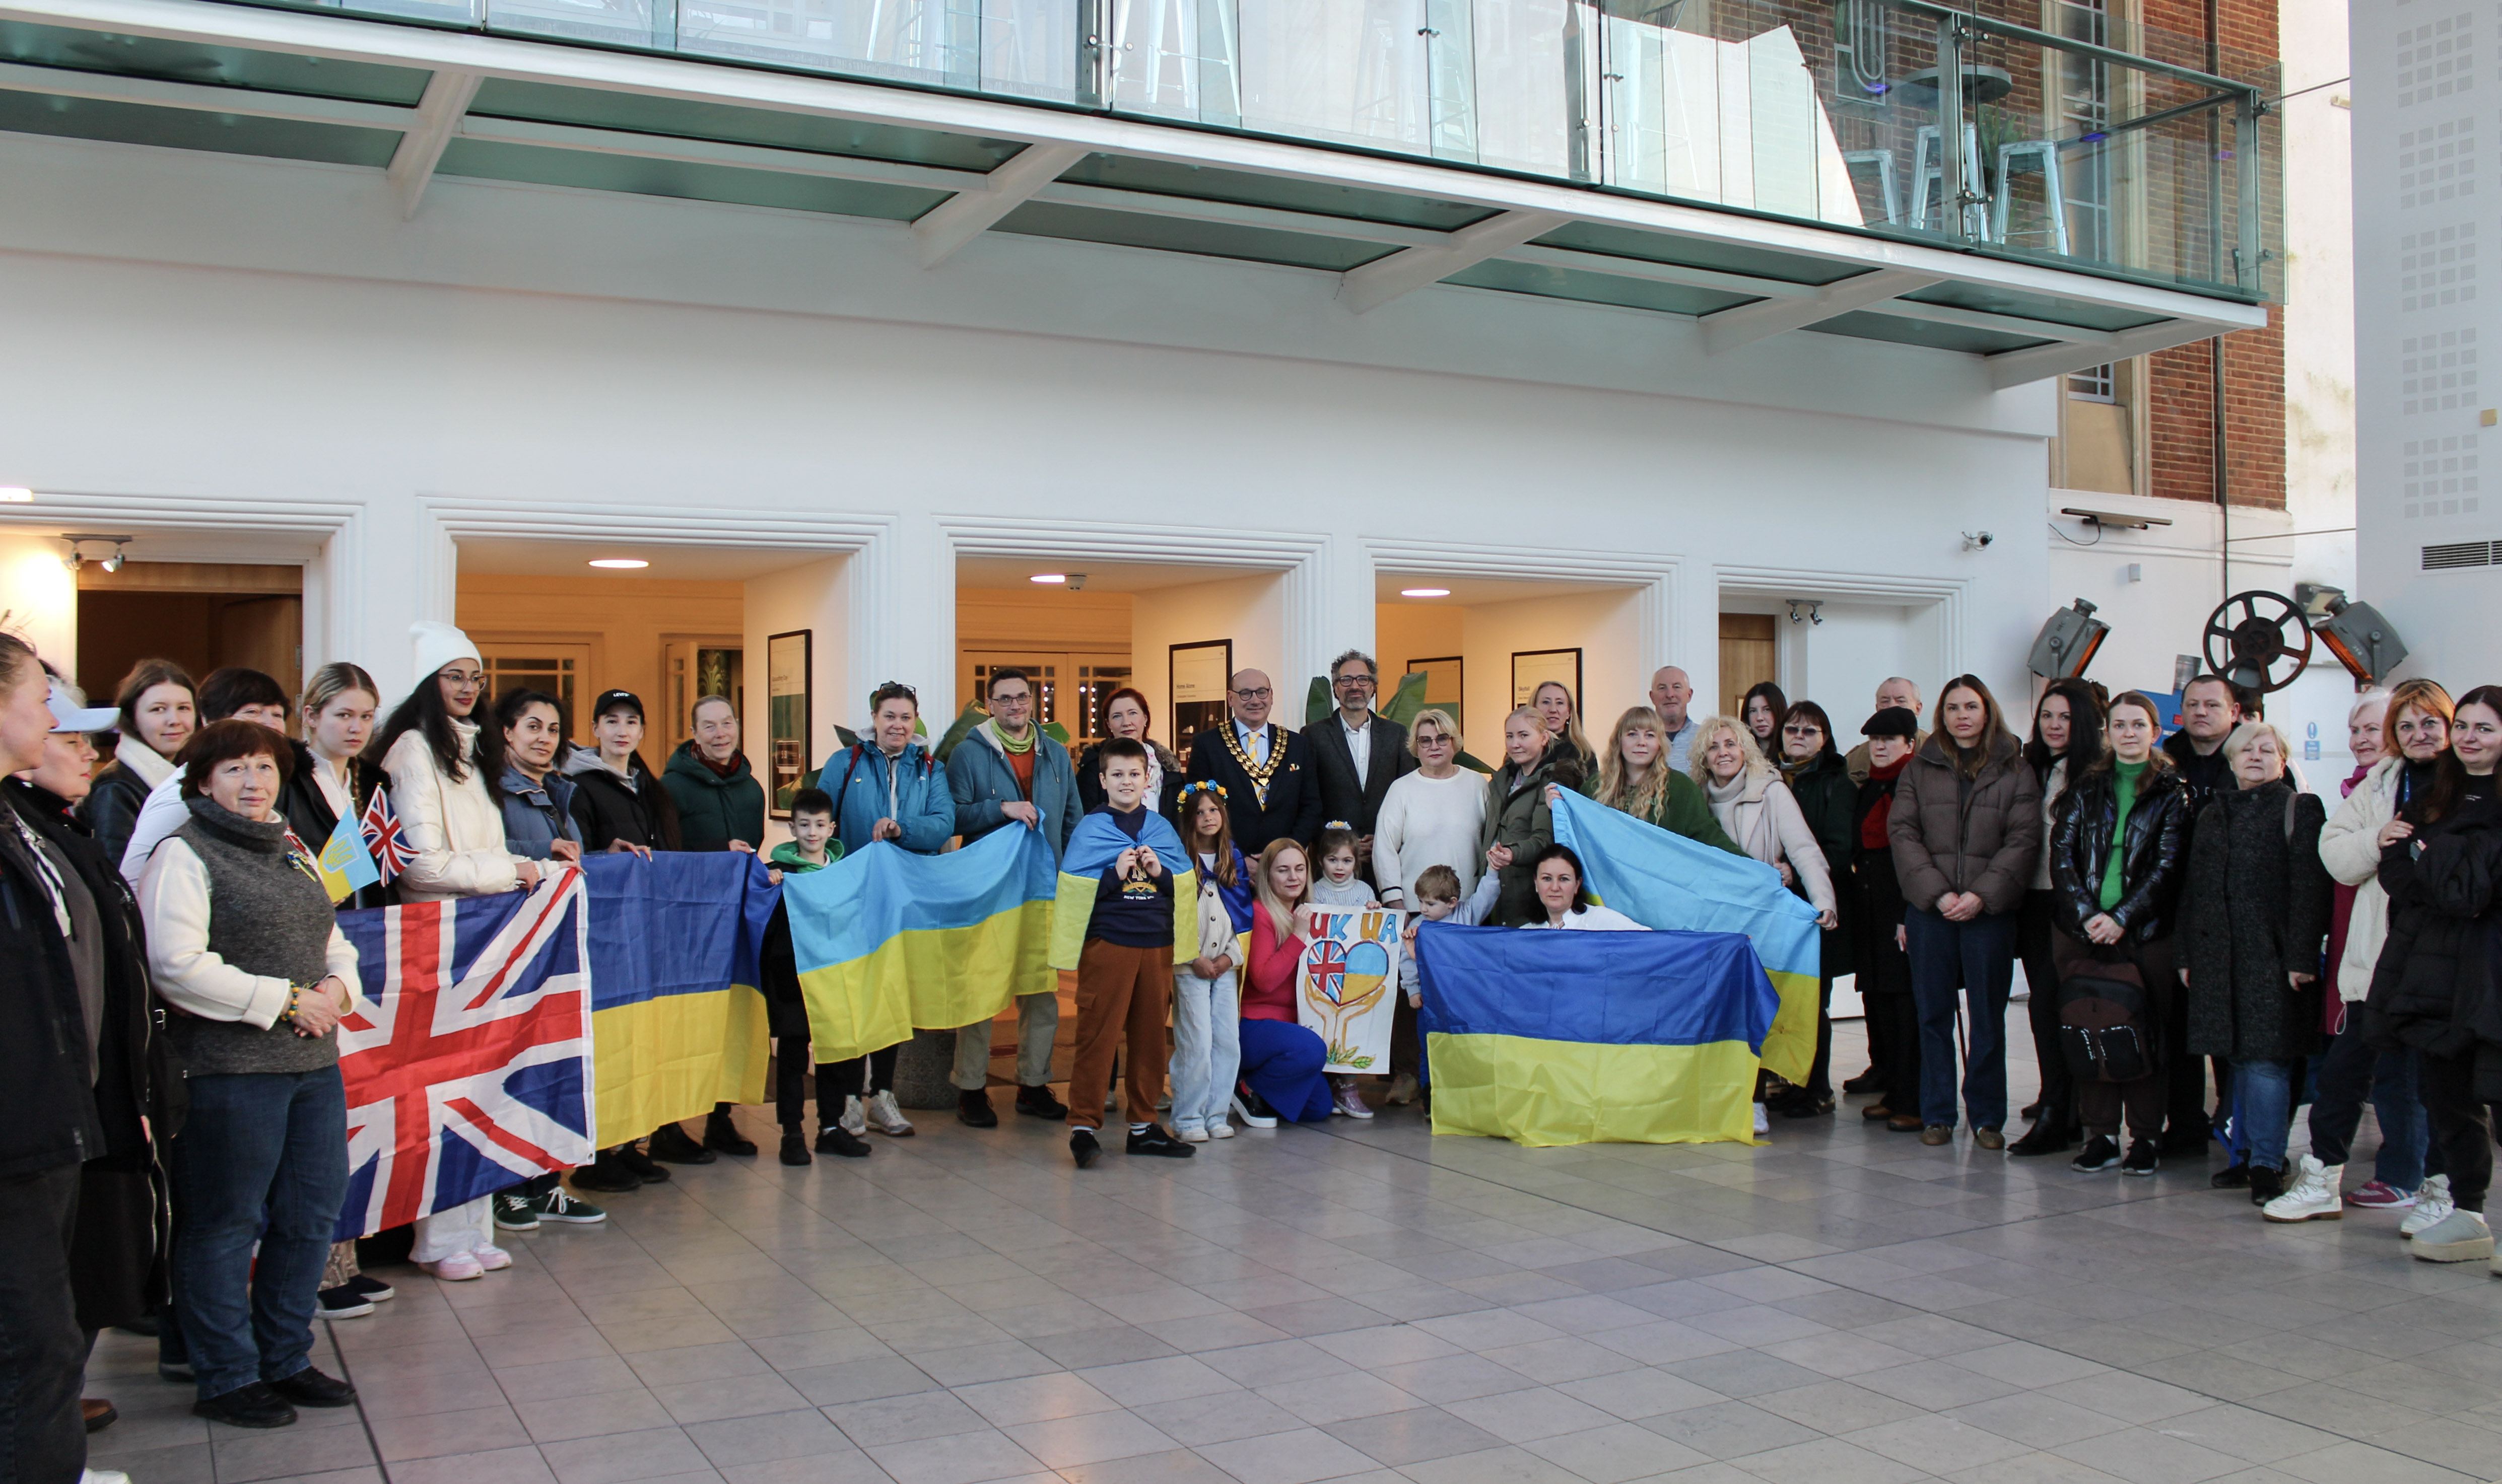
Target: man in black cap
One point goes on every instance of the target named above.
(1884, 971)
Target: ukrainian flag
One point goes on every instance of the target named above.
(1582, 1038)
(1093, 847)
(887, 940)
(677, 1022)
(1668, 882)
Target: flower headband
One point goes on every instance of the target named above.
(1204, 785)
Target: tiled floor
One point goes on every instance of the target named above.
(1365, 1302)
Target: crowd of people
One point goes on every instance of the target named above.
(175, 972)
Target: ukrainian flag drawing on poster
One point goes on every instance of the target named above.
(1667, 881)
(887, 941)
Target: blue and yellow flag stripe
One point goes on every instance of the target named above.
(1093, 847)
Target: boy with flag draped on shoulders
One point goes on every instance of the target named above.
(1127, 912)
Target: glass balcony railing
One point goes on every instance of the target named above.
(2042, 129)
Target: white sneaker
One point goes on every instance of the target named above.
(885, 1117)
(2311, 1197)
(2461, 1236)
(1192, 1136)
(1763, 1123)
(104, 1477)
(1220, 1131)
(853, 1121)
(1251, 1120)
(492, 1258)
(1349, 1103)
(459, 1268)
(2433, 1206)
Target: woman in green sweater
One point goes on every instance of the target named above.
(1636, 779)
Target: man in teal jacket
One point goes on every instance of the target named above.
(721, 806)
(1008, 772)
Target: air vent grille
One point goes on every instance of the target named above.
(2454, 555)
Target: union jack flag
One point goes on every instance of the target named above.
(385, 837)
(468, 1063)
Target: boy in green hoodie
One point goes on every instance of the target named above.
(812, 847)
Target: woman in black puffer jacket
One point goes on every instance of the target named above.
(2434, 989)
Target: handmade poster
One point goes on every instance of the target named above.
(1347, 986)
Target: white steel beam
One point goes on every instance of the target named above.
(711, 151)
(2014, 368)
(1383, 280)
(1747, 323)
(204, 97)
(969, 214)
(439, 112)
(1982, 320)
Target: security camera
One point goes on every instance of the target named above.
(1076, 582)
(1975, 540)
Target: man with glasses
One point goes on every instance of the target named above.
(1270, 788)
(1357, 754)
(1008, 773)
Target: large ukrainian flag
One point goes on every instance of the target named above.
(1582, 1037)
(887, 940)
(1665, 880)
(677, 1022)
(1095, 843)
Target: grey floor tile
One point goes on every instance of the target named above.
(1729, 1429)
(1412, 1437)
(1304, 1456)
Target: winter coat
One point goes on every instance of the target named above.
(453, 826)
(1164, 782)
(2254, 909)
(307, 811)
(1883, 967)
(1764, 819)
(48, 1111)
(2154, 855)
(1829, 802)
(980, 781)
(611, 810)
(1976, 836)
(2203, 775)
(859, 778)
(1343, 795)
(536, 815)
(121, 788)
(1682, 810)
(1517, 815)
(714, 810)
(2350, 848)
(2433, 989)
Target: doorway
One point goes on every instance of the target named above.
(203, 616)
(1749, 655)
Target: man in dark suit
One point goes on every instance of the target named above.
(1358, 754)
(1270, 788)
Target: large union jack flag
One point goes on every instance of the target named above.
(468, 1066)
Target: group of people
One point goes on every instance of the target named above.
(177, 974)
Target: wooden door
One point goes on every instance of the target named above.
(1748, 657)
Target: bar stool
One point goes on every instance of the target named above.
(1928, 173)
(2045, 156)
(1883, 160)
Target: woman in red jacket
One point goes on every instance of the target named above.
(1281, 1057)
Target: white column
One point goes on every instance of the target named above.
(903, 592)
(1328, 611)
(1693, 640)
(390, 566)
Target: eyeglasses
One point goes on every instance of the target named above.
(1363, 682)
(1261, 694)
(1802, 729)
(899, 688)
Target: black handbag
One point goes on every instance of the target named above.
(2104, 1020)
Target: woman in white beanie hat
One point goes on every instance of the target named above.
(440, 764)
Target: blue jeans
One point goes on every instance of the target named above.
(1282, 1062)
(1981, 954)
(1207, 1049)
(2352, 1072)
(264, 1154)
(2263, 1108)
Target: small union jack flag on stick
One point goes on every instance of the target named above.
(385, 837)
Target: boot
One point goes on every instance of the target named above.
(2311, 1197)
(1037, 1103)
(837, 1140)
(723, 1134)
(794, 1148)
(670, 1142)
(973, 1108)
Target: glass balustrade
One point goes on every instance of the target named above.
(2051, 130)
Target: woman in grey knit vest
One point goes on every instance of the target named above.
(246, 950)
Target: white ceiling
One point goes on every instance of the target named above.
(510, 557)
(1466, 591)
(1017, 573)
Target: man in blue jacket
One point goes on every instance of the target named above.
(1008, 772)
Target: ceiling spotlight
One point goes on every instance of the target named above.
(13, 494)
(1424, 593)
(1813, 610)
(1049, 578)
(620, 563)
(76, 558)
(113, 563)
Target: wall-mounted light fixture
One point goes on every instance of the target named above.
(76, 558)
(1814, 613)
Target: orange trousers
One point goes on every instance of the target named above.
(1119, 990)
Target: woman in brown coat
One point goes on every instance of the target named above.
(1966, 826)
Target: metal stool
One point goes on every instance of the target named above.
(1928, 173)
(2045, 155)
(1883, 160)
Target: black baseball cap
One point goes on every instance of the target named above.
(1892, 721)
(616, 700)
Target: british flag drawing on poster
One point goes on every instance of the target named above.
(468, 1066)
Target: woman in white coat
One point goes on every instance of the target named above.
(440, 762)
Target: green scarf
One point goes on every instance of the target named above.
(2124, 781)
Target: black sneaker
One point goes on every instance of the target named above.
(1153, 1139)
(2143, 1156)
(341, 1302)
(254, 1406)
(2043, 1138)
(2265, 1184)
(1805, 1105)
(2233, 1177)
(514, 1212)
(794, 1148)
(558, 1206)
(638, 1163)
(609, 1175)
(670, 1142)
(839, 1142)
(372, 1287)
(723, 1134)
(1083, 1149)
(2099, 1153)
(309, 1386)
(973, 1108)
(1037, 1103)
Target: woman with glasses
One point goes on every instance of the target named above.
(1819, 782)
(1430, 816)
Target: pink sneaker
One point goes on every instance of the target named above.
(2378, 1196)
(459, 1268)
(492, 1258)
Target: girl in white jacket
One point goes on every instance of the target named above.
(439, 762)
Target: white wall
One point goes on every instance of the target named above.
(1250, 611)
(1840, 663)
(816, 596)
(40, 598)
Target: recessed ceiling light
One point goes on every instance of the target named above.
(16, 496)
(1049, 577)
(1424, 593)
(620, 563)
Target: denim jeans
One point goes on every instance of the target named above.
(2352, 1072)
(265, 1156)
(1981, 953)
(1207, 1048)
(2263, 1108)
(42, 1352)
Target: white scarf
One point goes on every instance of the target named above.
(142, 759)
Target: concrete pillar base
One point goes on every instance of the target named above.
(924, 1071)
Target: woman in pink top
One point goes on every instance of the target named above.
(1281, 1058)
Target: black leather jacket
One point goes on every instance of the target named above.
(111, 808)
(2154, 861)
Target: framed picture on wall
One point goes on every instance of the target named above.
(786, 719)
(1531, 668)
(1200, 674)
(1445, 685)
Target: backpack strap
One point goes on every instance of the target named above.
(847, 780)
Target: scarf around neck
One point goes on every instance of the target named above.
(140, 759)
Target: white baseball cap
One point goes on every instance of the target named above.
(69, 716)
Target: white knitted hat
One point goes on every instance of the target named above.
(438, 645)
